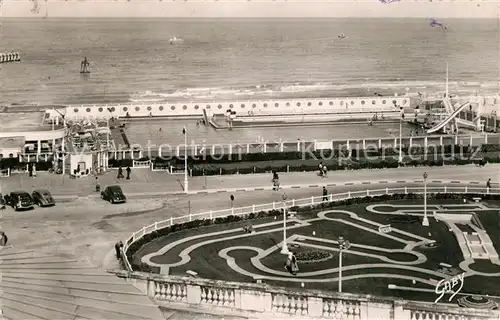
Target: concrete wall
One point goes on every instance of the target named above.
(292, 106)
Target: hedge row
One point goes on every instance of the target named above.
(463, 151)
(326, 154)
(14, 164)
(132, 250)
(312, 165)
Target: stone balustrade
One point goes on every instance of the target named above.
(264, 301)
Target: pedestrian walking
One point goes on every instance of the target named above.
(118, 247)
(276, 181)
(3, 239)
(128, 172)
(325, 194)
(120, 173)
(291, 264)
(488, 185)
(325, 170)
(294, 264)
(320, 168)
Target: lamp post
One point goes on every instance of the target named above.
(401, 134)
(186, 187)
(284, 249)
(343, 245)
(425, 222)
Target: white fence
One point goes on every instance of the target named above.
(295, 202)
(141, 164)
(5, 173)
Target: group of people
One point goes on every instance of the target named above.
(322, 170)
(120, 173)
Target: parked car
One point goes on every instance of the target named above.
(19, 200)
(43, 198)
(113, 194)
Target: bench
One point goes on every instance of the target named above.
(442, 264)
(258, 279)
(192, 273)
(291, 214)
(477, 199)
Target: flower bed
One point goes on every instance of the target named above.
(137, 245)
(313, 256)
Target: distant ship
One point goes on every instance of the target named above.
(174, 39)
(342, 36)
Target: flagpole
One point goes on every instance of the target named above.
(401, 135)
(186, 188)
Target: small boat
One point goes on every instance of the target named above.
(174, 39)
(342, 36)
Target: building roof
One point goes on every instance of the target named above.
(12, 142)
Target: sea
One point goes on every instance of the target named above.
(132, 60)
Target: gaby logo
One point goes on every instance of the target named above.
(449, 286)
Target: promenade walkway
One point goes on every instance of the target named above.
(146, 183)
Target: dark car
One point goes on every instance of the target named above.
(113, 194)
(43, 198)
(19, 200)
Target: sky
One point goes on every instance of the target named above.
(250, 8)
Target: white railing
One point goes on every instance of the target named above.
(5, 173)
(141, 164)
(277, 205)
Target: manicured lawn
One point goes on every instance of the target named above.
(486, 266)
(205, 260)
(491, 223)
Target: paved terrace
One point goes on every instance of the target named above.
(24, 121)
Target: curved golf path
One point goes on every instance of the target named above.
(340, 216)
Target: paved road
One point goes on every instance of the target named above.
(148, 183)
(90, 227)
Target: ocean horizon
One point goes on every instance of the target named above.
(251, 8)
(132, 60)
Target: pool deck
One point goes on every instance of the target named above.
(24, 122)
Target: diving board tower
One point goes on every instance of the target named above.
(479, 122)
(448, 105)
(448, 121)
